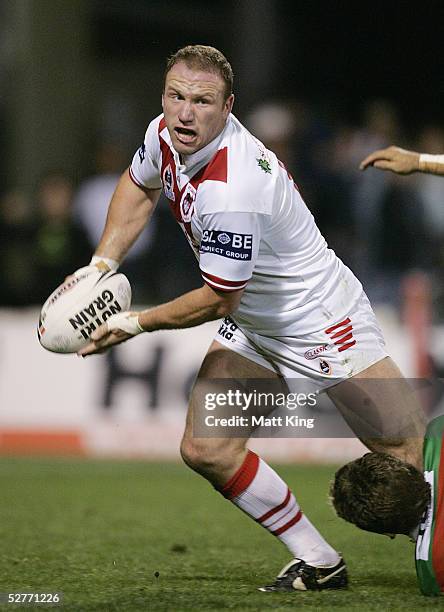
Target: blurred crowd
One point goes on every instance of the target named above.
(380, 224)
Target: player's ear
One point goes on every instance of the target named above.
(229, 104)
(162, 101)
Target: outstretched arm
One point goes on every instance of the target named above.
(188, 310)
(402, 161)
(130, 210)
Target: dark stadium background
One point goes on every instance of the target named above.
(336, 54)
(79, 74)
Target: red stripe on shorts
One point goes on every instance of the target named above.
(343, 339)
(243, 478)
(344, 322)
(344, 347)
(341, 332)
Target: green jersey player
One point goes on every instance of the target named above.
(429, 553)
(382, 494)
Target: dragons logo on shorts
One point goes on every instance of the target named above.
(187, 203)
(168, 183)
(325, 367)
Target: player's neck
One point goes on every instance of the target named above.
(204, 154)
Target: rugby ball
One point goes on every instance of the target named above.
(80, 305)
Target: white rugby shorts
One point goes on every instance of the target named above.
(345, 347)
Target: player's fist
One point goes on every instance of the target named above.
(117, 329)
(97, 264)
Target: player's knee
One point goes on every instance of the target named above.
(205, 457)
(408, 450)
(189, 453)
(411, 452)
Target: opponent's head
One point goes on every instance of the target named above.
(380, 493)
(197, 96)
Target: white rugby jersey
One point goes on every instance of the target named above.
(249, 228)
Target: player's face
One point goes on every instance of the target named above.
(194, 107)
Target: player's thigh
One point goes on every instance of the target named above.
(382, 409)
(220, 366)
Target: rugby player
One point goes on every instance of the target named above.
(402, 161)
(293, 309)
(382, 494)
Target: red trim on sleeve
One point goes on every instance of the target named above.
(218, 288)
(243, 478)
(134, 180)
(221, 284)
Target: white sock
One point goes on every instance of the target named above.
(263, 495)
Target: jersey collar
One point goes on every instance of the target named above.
(192, 163)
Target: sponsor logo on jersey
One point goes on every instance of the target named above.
(168, 183)
(227, 244)
(224, 238)
(141, 152)
(227, 328)
(187, 203)
(324, 366)
(313, 353)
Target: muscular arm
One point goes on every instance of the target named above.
(188, 310)
(130, 209)
(402, 161)
(191, 309)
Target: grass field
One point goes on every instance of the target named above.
(99, 532)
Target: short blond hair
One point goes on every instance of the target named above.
(206, 58)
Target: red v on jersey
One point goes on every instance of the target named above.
(215, 170)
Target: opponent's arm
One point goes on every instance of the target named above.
(188, 310)
(402, 161)
(130, 209)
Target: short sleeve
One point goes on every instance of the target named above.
(144, 169)
(229, 248)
